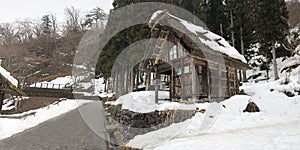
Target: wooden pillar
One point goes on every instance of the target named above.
(172, 85)
(244, 75)
(194, 82)
(1, 99)
(236, 83)
(208, 81)
(156, 84)
(148, 76)
(240, 75)
(132, 80)
(228, 82)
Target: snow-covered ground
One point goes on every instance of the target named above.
(62, 82)
(225, 126)
(10, 126)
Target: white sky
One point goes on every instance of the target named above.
(12, 10)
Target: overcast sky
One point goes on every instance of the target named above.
(12, 10)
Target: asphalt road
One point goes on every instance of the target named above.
(69, 131)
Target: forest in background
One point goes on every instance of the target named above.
(42, 49)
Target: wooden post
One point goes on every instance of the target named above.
(228, 82)
(132, 80)
(194, 82)
(274, 61)
(148, 74)
(208, 81)
(240, 75)
(1, 99)
(244, 75)
(172, 84)
(156, 84)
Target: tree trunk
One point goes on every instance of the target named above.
(232, 32)
(242, 41)
(221, 29)
(274, 61)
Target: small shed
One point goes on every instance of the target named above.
(188, 61)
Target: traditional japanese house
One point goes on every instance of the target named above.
(189, 61)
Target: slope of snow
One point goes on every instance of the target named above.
(275, 137)
(276, 108)
(9, 127)
(225, 126)
(8, 76)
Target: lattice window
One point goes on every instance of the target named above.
(173, 52)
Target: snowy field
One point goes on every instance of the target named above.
(11, 126)
(225, 126)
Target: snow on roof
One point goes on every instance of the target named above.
(8, 76)
(212, 40)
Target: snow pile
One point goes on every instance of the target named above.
(212, 40)
(227, 119)
(275, 127)
(144, 102)
(9, 127)
(8, 76)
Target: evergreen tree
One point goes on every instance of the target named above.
(46, 24)
(95, 16)
(242, 13)
(272, 28)
(216, 17)
(199, 9)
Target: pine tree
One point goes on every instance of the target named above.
(242, 15)
(95, 16)
(216, 18)
(46, 25)
(273, 27)
(199, 9)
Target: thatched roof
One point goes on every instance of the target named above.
(9, 83)
(199, 39)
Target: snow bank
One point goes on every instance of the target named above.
(9, 127)
(144, 102)
(8, 76)
(224, 123)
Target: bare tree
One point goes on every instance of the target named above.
(294, 12)
(8, 34)
(73, 20)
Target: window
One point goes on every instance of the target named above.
(179, 71)
(186, 69)
(173, 52)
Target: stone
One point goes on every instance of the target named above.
(252, 107)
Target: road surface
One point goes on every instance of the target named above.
(66, 132)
